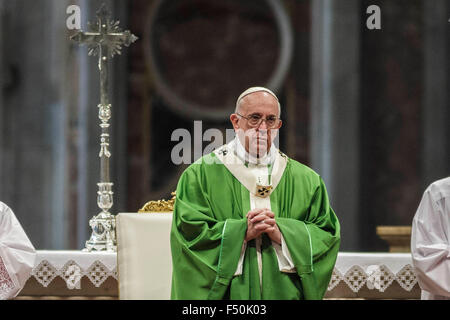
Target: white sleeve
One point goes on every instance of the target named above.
(285, 263)
(284, 258)
(238, 271)
(17, 254)
(430, 246)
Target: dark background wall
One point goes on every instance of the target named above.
(367, 109)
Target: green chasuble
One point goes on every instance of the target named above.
(209, 226)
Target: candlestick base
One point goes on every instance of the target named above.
(103, 237)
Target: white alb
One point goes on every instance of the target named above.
(430, 241)
(17, 254)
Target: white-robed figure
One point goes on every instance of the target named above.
(430, 241)
(17, 254)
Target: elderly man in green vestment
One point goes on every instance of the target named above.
(249, 222)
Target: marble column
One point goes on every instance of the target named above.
(49, 139)
(335, 109)
(33, 122)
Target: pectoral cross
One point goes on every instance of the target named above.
(263, 191)
(104, 39)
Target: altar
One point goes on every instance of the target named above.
(93, 275)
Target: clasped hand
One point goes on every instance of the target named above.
(261, 221)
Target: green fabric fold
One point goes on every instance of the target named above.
(209, 226)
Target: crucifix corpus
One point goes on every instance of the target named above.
(104, 39)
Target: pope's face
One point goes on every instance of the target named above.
(257, 140)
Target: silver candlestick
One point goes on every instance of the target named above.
(104, 39)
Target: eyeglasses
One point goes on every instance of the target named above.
(255, 120)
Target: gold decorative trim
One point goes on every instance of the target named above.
(283, 155)
(159, 205)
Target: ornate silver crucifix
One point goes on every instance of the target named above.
(104, 39)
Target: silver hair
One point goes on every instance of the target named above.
(252, 90)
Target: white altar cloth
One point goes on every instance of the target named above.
(375, 271)
(73, 265)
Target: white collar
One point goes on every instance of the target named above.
(246, 157)
(249, 175)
